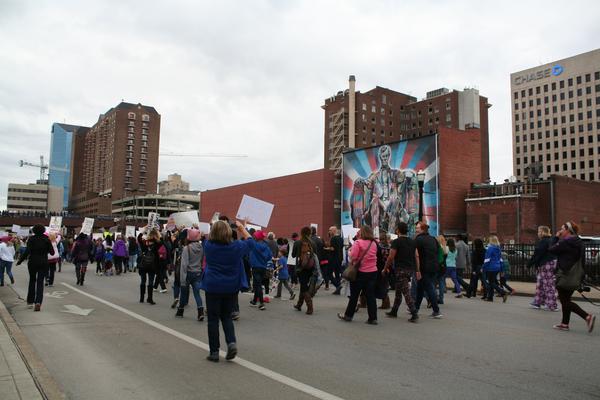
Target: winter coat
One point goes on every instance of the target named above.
(493, 259)
(224, 272)
(191, 260)
(568, 251)
(38, 248)
(120, 249)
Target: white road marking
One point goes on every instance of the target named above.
(73, 309)
(57, 294)
(302, 387)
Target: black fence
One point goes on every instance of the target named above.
(520, 254)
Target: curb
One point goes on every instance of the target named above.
(48, 387)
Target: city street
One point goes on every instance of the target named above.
(98, 342)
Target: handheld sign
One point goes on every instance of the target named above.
(255, 211)
(88, 224)
(55, 224)
(153, 220)
(187, 218)
(130, 231)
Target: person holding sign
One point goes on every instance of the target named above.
(224, 277)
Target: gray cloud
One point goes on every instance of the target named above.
(250, 77)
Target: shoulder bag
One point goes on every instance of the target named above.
(570, 280)
(351, 271)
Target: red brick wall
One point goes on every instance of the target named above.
(577, 201)
(460, 165)
(300, 199)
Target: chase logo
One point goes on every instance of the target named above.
(557, 70)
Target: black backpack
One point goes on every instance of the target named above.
(148, 260)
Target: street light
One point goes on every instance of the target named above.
(421, 181)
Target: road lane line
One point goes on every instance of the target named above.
(302, 387)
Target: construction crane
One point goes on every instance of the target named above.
(42, 166)
(204, 155)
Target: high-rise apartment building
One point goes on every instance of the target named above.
(173, 184)
(61, 148)
(556, 119)
(382, 116)
(116, 157)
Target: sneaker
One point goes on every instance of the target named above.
(175, 303)
(231, 351)
(590, 320)
(163, 291)
(504, 297)
(252, 303)
(436, 315)
(179, 313)
(276, 297)
(459, 296)
(38, 307)
(561, 327)
(391, 314)
(414, 317)
(29, 305)
(262, 307)
(214, 357)
(372, 322)
(292, 296)
(535, 306)
(235, 315)
(343, 317)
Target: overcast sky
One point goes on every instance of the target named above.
(250, 76)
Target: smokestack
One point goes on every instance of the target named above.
(352, 112)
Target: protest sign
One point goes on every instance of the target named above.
(153, 220)
(349, 231)
(215, 217)
(256, 211)
(23, 232)
(15, 228)
(3, 234)
(130, 231)
(55, 225)
(291, 260)
(204, 227)
(88, 224)
(96, 236)
(186, 218)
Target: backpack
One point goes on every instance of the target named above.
(307, 256)
(148, 260)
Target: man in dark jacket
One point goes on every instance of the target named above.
(427, 248)
(37, 251)
(336, 256)
(81, 255)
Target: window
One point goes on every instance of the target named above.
(373, 109)
(145, 117)
(570, 81)
(579, 80)
(131, 115)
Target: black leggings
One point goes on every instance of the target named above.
(569, 306)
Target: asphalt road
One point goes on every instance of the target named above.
(478, 350)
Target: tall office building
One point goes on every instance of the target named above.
(382, 116)
(61, 147)
(115, 158)
(173, 184)
(556, 119)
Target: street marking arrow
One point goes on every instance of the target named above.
(57, 294)
(73, 309)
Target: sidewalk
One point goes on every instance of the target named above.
(527, 289)
(22, 373)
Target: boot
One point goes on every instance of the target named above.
(179, 313)
(149, 300)
(385, 304)
(298, 305)
(142, 293)
(393, 313)
(309, 304)
(200, 313)
(82, 278)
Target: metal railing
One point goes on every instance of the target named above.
(520, 254)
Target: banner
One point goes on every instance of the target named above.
(255, 211)
(380, 185)
(86, 227)
(55, 225)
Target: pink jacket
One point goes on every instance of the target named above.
(369, 261)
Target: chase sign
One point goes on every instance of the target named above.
(556, 70)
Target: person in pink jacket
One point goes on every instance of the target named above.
(365, 250)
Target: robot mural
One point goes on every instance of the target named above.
(381, 187)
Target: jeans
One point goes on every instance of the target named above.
(425, 285)
(132, 262)
(284, 282)
(5, 266)
(219, 306)
(193, 279)
(460, 272)
(258, 275)
(176, 289)
(51, 272)
(504, 283)
(146, 274)
(35, 292)
(80, 268)
(365, 282)
(492, 284)
(336, 274)
(451, 273)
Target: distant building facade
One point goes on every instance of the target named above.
(61, 149)
(115, 158)
(33, 197)
(173, 184)
(138, 207)
(556, 119)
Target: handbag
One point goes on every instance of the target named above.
(570, 280)
(351, 271)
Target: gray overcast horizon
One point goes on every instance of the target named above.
(250, 76)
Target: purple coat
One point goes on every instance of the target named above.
(119, 249)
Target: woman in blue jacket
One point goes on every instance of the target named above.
(224, 277)
(492, 265)
(260, 256)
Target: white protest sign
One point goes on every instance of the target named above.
(88, 224)
(15, 228)
(3, 234)
(316, 226)
(186, 218)
(349, 231)
(130, 231)
(204, 227)
(23, 232)
(256, 211)
(153, 220)
(376, 232)
(96, 236)
(215, 217)
(393, 236)
(55, 224)
(291, 260)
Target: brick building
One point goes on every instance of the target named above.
(115, 157)
(514, 210)
(383, 115)
(299, 199)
